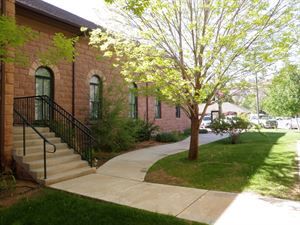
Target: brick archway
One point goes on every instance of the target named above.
(36, 64)
(96, 72)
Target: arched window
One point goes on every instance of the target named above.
(44, 82)
(44, 85)
(95, 97)
(133, 101)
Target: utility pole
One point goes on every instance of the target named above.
(257, 97)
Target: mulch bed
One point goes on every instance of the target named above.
(23, 189)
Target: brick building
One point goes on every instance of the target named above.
(70, 85)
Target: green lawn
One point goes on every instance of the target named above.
(263, 164)
(58, 208)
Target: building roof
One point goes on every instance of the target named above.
(226, 107)
(54, 12)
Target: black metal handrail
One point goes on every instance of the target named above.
(45, 140)
(43, 111)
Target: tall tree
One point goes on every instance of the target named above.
(283, 96)
(189, 50)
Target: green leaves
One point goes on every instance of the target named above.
(62, 49)
(283, 98)
(136, 6)
(16, 36)
(190, 49)
(13, 36)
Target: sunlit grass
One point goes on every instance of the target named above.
(263, 164)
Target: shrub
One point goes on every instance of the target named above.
(234, 127)
(7, 181)
(144, 129)
(203, 131)
(187, 131)
(114, 130)
(170, 136)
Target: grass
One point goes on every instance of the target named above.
(53, 207)
(263, 164)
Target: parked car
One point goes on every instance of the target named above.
(206, 121)
(294, 123)
(268, 122)
(264, 120)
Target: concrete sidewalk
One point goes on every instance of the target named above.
(134, 165)
(121, 181)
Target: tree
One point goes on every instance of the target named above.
(189, 50)
(13, 36)
(283, 98)
(135, 6)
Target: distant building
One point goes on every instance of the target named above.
(227, 108)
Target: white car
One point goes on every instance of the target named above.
(295, 123)
(206, 121)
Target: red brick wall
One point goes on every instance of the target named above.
(168, 121)
(86, 65)
(6, 153)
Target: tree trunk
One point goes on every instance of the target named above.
(194, 142)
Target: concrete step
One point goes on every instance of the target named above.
(29, 136)
(39, 148)
(71, 174)
(19, 130)
(40, 155)
(53, 161)
(57, 169)
(62, 165)
(35, 142)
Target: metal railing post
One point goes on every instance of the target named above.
(24, 139)
(45, 165)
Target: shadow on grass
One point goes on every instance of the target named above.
(263, 164)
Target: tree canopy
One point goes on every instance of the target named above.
(189, 50)
(13, 36)
(283, 97)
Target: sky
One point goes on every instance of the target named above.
(92, 10)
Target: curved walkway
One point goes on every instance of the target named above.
(134, 165)
(120, 180)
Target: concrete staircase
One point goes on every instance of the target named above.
(62, 165)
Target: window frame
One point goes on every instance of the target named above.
(178, 111)
(157, 110)
(95, 102)
(50, 77)
(133, 105)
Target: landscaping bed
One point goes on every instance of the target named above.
(51, 207)
(262, 162)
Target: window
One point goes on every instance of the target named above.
(177, 109)
(133, 101)
(95, 97)
(43, 86)
(157, 109)
(44, 82)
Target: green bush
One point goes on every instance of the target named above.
(203, 131)
(144, 130)
(170, 136)
(187, 131)
(7, 181)
(234, 127)
(114, 130)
